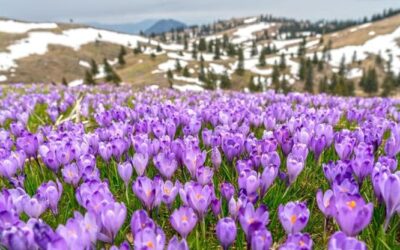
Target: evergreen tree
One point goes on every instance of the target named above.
(186, 72)
(158, 48)
(170, 77)
(153, 56)
(185, 42)
(178, 67)
(302, 69)
(217, 54)
(354, 59)
(261, 59)
(254, 49)
(275, 78)
(202, 73)
(94, 69)
(202, 44)
(309, 84)
(225, 81)
(138, 49)
(378, 59)
(323, 85)
(285, 85)
(210, 46)
(254, 87)
(369, 82)
(320, 65)
(315, 60)
(225, 41)
(342, 67)
(88, 78)
(194, 50)
(388, 84)
(121, 59)
(111, 76)
(282, 63)
(231, 50)
(240, 67)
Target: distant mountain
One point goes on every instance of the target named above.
(164, 25)
(130, 28)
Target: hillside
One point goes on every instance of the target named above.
(164, 25)
(253, 53)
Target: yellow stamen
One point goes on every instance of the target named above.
(184, 218)
(293, 219)
(351, 204)
(150, 244)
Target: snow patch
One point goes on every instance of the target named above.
(250, 20)
(188, 87)
(3, 78)
(11, 26)
(246, 33)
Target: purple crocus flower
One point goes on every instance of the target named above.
(216, 206)
(140, 220)
(261, 239)
(35, 206)
(353, 214)
(293, 216)
(193, 158)
(216, 158)
(52, 192)
(150, 238)
(175, 244)
(251, 218)
(339, 241)
(71, 174)
(226, 232)
(204, 175)
(169, 191)
(227, 190)
(199, 198)
(388, 185)
(326, 202)
(297, 241)
(139, 162)
(145, 189)
(166, 164)
(112, 218)
(294, 166)
(183, 220)
(125, 172)
(268, 177)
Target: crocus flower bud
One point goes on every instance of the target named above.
(226, 232)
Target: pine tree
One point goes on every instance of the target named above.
(254, 50)
(261, 59)
(202, 73)
(388, 84)
(285, 85)
(121, 59)
(240, 67)
(225, 41)
(170, 77)
(302, 69)
(210, 46)
(185, 42)
(217, 54)
(369, 82)
(231, 50)
(342, 67)
(315, 60)
(107, 70)
(378, 59)
(178, 67)
(225, 81)
(88, 78)
(309, 83)
(186, 72)
(94, 69)
(354, 59)
(138, 49)
(323, 85)
(254, 87)
(275, 78)
(282, 63)
(158, 48)
(202, 44)
(194, 50)
(320, 65)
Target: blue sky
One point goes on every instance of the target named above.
(199, 11)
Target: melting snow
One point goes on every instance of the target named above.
(354, 73)
(246, 33)
(3, 78)
(250, 20)
(170, 65)
(11, 26)
(188, 87)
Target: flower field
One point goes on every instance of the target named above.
(113, 168)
